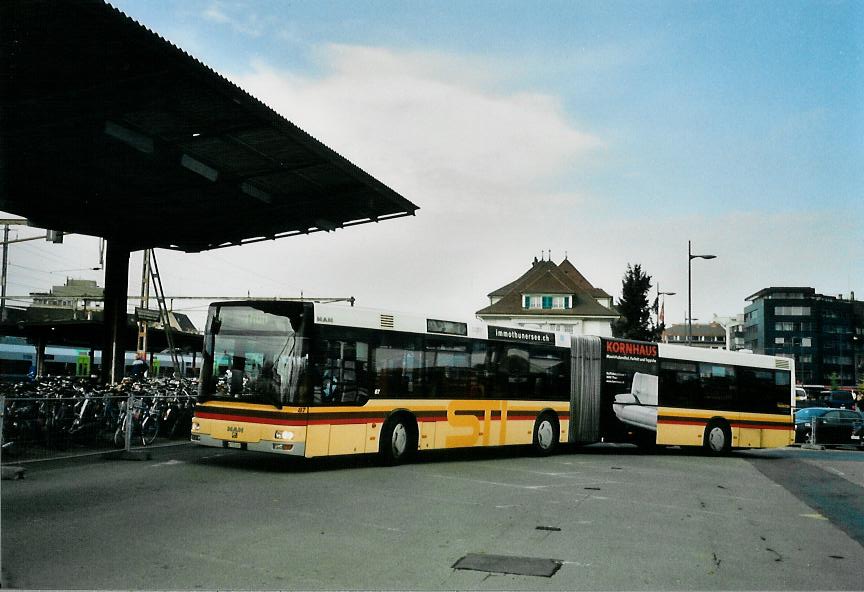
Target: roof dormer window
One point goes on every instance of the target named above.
(547, 301)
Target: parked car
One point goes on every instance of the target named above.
(802, 399)
(834, 426)
(858, 433)
(837, 399)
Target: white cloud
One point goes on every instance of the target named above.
(243, 20)
(215, 14)
(424, 123)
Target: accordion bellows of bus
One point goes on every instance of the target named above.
(310, 379)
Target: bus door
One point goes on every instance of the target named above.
(342, 376)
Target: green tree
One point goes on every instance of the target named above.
(633, 306)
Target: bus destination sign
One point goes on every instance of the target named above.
(521, 335)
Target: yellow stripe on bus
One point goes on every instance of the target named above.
(357, 429)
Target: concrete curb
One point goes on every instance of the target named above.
(128, 455)
(99, 453)
(12, 473)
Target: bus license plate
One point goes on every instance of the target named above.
(234, 445)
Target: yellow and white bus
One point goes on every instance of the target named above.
(309, 379)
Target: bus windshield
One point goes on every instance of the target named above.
(254, 352)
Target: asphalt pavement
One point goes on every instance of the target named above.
(603, 517)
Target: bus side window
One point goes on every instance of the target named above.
(447, 368)
(398, 362)
(764, 390)
(718, 385)
(511, 373)
(550, 379)
(341, 369)
(479, 383)
(679, 384)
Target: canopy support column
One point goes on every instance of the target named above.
(40, 355)
(116, 286)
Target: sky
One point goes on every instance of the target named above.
(609, 132)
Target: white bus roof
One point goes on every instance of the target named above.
(722, 356)
(372, 318)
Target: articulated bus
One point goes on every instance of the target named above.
(310, 380)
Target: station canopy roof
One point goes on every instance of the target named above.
(87, 333)
(109, 130)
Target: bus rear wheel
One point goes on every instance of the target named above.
(545, 434)
(398, 440)
(717, 438)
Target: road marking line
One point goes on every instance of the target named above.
(530, 487)
(576, 563)
(814, 516)
(169, 462)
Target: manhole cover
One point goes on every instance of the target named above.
(520, 566)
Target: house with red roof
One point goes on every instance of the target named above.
(552, 297)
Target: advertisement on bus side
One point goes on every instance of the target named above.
(630, 386)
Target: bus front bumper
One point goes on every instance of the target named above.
(290, 448)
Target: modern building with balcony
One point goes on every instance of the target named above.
(824, 334)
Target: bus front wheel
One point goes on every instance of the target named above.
(545, 434)
(717, 439)
(398, 440)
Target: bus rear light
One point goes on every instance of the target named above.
(196, 426)
(286, 447)
(284, 435)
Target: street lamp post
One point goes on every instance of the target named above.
(659, 294)
(690, 258)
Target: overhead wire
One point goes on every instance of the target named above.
(222, 259)
(49, 253)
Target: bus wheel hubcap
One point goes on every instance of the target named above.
(716, 438)
(544, 434)
(400, 439)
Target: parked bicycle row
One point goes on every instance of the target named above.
(57, 413)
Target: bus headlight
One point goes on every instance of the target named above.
(284, 435)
